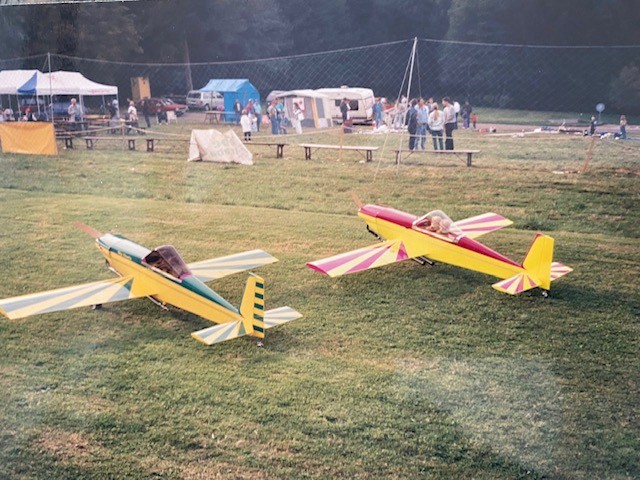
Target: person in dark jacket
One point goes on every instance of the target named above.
(412, 124)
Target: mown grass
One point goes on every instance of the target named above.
(401, 372)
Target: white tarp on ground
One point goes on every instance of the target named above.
(214, 146)
(11, 80)
(64, 83)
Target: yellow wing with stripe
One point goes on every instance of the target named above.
(363, 259)
(115, 290)
(215, 268)
(473, 227)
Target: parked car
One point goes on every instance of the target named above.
(197, 100)
(163, 105)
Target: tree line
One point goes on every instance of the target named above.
(182, 31)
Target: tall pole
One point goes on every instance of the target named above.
(413, 61)
(50, 86)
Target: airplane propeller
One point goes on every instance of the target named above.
(92, 232)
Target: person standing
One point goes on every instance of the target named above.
(449, 122)
(456, 110)
(592, 125)
(298, 116)
(245, 122)
(344, 110)
(73, 111)
(282, 128)
(237, 109)
(422, 117)
(377, 113)
(401, 111)
(436, 122)
(132, 114)
(412, 124)
(257, 108)
(273, 117)
(466, 114)
(146, 110)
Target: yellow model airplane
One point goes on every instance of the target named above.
(434, 237)
(165, 278)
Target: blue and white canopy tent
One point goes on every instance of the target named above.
(64, 83)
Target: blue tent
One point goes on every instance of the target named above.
(232, 89)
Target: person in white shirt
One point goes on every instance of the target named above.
(456, 110)
(436, 123)
(245, 123)
(297, 118)
(449, 122)
(133, 112)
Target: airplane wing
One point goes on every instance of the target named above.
(214, 268)
(474, 227)
(113, 290)
(363, 259)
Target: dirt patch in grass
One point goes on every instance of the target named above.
(68, 447)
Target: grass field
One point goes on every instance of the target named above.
(400, 372)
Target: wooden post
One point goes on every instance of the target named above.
(341, 142)
(589, 152)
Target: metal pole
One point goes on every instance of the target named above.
(50, 86)
(413, 59)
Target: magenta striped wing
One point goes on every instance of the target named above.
(474, 227)
(362, 259)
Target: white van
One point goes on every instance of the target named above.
(361, 102)
(197, 100)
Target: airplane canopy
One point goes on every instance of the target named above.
(167, 259)
(436, 221)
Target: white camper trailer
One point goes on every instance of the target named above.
(361, 102)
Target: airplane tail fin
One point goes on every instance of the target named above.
(538, 260)
(254, 319)
(540, 269)
(252, 307)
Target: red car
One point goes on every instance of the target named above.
(161, 105)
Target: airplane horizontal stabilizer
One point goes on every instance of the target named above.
(279, 316)
(220, 333)
(473, 227)
(558, 270)
(215, 268)
(362, 259)
(231, 330)
(516, 284)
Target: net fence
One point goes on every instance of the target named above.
(572, 79)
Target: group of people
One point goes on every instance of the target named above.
(253, 110)
(425, 117)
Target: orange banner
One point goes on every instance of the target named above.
(34, 138)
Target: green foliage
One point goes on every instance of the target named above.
(401, 372)
(625, 90)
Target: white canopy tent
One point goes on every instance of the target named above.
(11, 80)
(64, 83)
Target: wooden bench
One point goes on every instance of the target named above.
(279, 146)
(312, 147)
(408, 153)
(151, 142)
